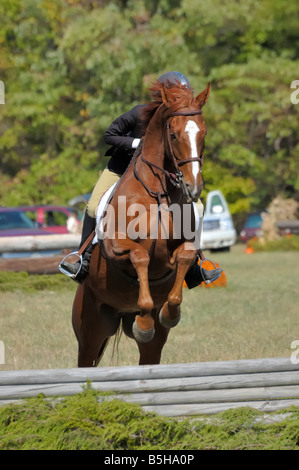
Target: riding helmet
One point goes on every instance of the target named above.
(175, 77)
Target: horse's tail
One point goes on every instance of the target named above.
(116, 341)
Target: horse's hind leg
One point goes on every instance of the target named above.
(150, 353)
(93, 324)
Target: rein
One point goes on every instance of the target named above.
(157, 194)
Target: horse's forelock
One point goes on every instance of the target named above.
(182, 97)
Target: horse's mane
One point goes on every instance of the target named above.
(183, 98)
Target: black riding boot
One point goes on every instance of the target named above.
(80, 270)
(196, 275)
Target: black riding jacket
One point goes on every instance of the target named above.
(120, 136)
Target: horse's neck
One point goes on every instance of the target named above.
(153, 146)
(154, 152)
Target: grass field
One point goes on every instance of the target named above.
(254, 316)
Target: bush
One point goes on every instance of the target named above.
(287, 243)
(81, 422)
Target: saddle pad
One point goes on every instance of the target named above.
(104, 201)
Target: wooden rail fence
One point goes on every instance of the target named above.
(170, 390)
(40, 263)
(38, 242)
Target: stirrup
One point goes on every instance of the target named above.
(208, 281)
(64, 271)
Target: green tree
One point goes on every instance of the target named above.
(71, 66)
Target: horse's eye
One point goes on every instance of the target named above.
(173, 136)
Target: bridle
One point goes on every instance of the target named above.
(175, 178)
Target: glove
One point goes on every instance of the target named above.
(135, 143)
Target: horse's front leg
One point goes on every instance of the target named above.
(170, 314)
(143, 327)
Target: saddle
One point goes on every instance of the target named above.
(91, 239)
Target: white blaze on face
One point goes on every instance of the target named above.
(192, 129)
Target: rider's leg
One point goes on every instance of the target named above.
(106, 180)
(196, 274)
(81, 268)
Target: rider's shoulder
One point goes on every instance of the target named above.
(136, 109)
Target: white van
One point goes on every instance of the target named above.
(218, 229)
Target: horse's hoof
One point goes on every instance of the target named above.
(142, 336)
(168, 322)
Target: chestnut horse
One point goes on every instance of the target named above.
(136, 282)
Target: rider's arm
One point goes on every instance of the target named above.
(116, 134)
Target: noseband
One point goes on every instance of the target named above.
(175, 178)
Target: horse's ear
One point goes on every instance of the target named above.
(203, 97)
(165, 98)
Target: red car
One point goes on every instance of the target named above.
(252, 227)
(15, 223)
(52, 218)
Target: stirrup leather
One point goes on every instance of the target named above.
(64, 271)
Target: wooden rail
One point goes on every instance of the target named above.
(170, 390)
(38, 243)
(41, 262)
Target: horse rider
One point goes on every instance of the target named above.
(124, 136)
